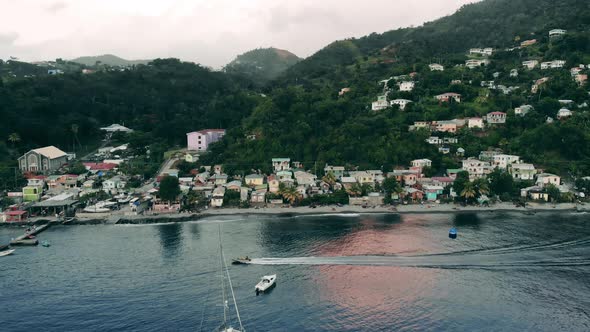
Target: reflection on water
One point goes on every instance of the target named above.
(470, 220)
(170, 239)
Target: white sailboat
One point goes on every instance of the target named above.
(226, 326)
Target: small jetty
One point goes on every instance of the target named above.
(26, 240)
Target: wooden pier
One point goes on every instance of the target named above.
(25, 241)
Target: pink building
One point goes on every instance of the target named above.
(200, 140)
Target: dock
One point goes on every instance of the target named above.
(37, 230)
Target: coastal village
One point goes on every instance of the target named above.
(104, 188)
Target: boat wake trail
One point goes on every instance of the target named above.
(560, 254)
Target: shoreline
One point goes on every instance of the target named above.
(287, 212)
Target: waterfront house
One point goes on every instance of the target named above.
(402, 103)
(15, 215)
(522, 171)
(348, 182)
(523, 110)
(536, 193)
(475, 123)
(305, 179)
(496, 117)
(443, 181)
(46, 160)
(254, 180)
(32, 193)
(281, 164)
(217, 196)
(258, 197)
(363, 177)
(503, 160)
(113, 185)
(412, 194)
(337, 171)
(273, 184)
(436, 67)
(432, 192)
(200, 140)
(446, 97)
(545, 179)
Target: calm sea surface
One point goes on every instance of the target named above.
(505, 272)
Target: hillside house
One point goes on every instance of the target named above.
(380, 104)
(406, 86)
(575, 71)
(281, 164)
(420, 125)
(523, 110)
(200, 140)
(503, 160)
(476, 63)
(527, 43)
(115, 127)
(557, 33)
(343, 91)
(446, 97)
(475, 123)
(436, 67)
(401, 103)
(538, 84)
(564, 113)
(522, 171)
(476, 168)
(253, 180)
(284, 175)
(514, 73)
(530, 64)
(496, 118)
(545, 179)
(553, 64)
(581, 79)
(407, 177)
(434, 140)
(421, 163)
(338, 171)
(445, 126)
(488, 51)
(46, 160)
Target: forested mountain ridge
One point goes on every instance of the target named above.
(490, 23)
(263, 64)
(109, 60)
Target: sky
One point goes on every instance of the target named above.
(209, 32)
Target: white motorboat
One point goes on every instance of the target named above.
(266, 283)
(96, 209)
(6, 252)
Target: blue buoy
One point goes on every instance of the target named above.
(453, 233)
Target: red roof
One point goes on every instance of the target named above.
(16, 213)
(100, 166)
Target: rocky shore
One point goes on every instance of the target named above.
(323, 210)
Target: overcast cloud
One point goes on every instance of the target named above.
(210, 32)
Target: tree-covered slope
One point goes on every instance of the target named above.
(263, 64)
(305, 119)
(109, 60)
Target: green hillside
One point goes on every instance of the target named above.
(305, 119)
(263, 64)
(109, 60)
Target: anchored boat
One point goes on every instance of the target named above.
(453, 233)
(6, 252)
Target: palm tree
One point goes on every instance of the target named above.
(355, 190)
(482, 186)
(290, 194)
(14, 138)
(330, 179)
(469, 191)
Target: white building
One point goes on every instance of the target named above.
(564, 113)
(530, 64)
(434, 140)
(523, 110)
(475, 123)
(476, 168)
(475, 63)
(557, 33)
(380, 104)
(217, 196)
(488, 51)
(503, 160)
(113, 185)
(553, 64)
(407, 86)
(496, 117)
(514, 73)
(522, 171)
(544, 179)
(401, 103)
(436, 67)
(281, 164)
(422, 163)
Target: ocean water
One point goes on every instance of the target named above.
(504, 272)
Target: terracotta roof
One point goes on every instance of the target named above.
(16, 213)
